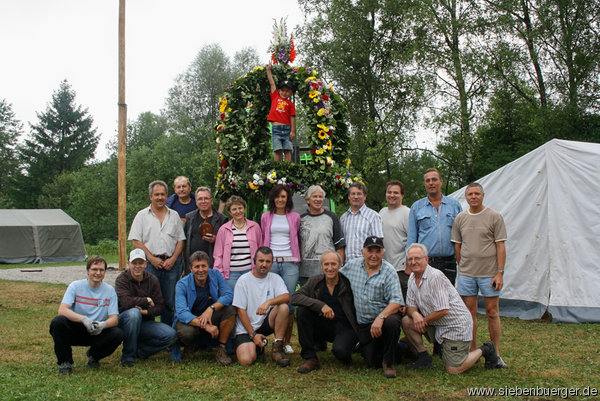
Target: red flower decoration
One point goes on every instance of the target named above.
(222, 116)
(315, 86)
(293, 51)
(324, 97)
(314, 151)
(223, 163)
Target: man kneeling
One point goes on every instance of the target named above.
(326, 313)
(436, 310)
(261, 300)
(203, 307)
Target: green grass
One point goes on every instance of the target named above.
(539, 353)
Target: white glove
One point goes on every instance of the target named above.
(89, 325)
(98, 327)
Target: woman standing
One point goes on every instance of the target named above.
(280, 233)
(236, 243)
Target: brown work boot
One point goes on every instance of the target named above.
(389, 371)
(188, 352)
(221, 356)
(278, 355)
(309, 365)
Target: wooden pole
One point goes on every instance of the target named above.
(122, 159)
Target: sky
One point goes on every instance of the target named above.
(43, 42)
(46, 41)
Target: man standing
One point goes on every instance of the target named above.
(140, 301)
(203, 304)
(182, 201)
(87, 315)
(479, 235)
(359, 222)
(158, 231)
(325, 312)
(198, 239)
(261, 299)
(434, 309)
(320, 231)
(377, 298)
(430, 224)
(395, 230)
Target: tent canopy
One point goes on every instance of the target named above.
(548, 199)
(39, 236)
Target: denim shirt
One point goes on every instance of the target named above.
(431, 228)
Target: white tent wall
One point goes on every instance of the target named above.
(548, 199)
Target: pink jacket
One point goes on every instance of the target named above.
(293, 219)
(222, 252)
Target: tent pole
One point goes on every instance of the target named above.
(122, 161)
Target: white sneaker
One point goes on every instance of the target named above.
(288, 349)
(501, 364)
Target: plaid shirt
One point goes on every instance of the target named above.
(435, 293)
(372, 294)
(358, 226)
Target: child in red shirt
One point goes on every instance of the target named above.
(282, 117)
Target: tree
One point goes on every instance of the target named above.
(366, 48)
(10, 129)
(63, 140)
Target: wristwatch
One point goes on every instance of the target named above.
(501, 272)
(213, 307)
(382, 316)
(252, 335)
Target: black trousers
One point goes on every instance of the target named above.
(447, 264)
(314, 329)
(67, 333)
(382, 349)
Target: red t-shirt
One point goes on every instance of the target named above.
(281, 109)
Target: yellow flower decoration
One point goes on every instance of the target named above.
(223, 105)
(223, 187)
(348, 162)
(311, 78)
(323, 127)
(321, 112)
(258, 68)
(328, 144)
(313, 94)
(322, 135)
(252, 186)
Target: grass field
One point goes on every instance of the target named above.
(539, 354)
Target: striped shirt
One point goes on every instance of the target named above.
(357, 227)
(435, 293)
(372, 294)
(241, 259)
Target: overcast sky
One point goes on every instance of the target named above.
(43, 42)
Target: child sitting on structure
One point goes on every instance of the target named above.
(282, 117)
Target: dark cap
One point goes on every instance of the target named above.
(287, 83)
(373, 241)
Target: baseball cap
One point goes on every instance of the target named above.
(287, 83)
(373, 241)
(137, 254)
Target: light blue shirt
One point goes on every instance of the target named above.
(433, 228)
(95, 303)
(372, 294)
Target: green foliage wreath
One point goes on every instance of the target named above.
(243, 139)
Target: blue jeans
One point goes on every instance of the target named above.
(143, 338)
(168, 280)
(281, 137)
(289, 272)
(233, 278)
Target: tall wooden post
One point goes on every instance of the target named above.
(122, 160)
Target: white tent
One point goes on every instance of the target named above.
(549, 200)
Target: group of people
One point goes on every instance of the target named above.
(229, 284)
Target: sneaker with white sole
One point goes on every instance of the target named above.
(501, 364)
(65, 368)
(288, 349)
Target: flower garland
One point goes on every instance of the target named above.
(282, 48)
(244, 141)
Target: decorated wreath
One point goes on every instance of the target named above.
(243, 137)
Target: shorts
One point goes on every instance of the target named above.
(454, 352)
(265, 329)
(470, 286)
(281, 137)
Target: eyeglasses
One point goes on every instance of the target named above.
(418, 259)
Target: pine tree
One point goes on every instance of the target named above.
(62, 140)
(10, 129)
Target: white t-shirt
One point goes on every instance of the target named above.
(251, 292)
(95, 303)
(395, 232)
(280, 236)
